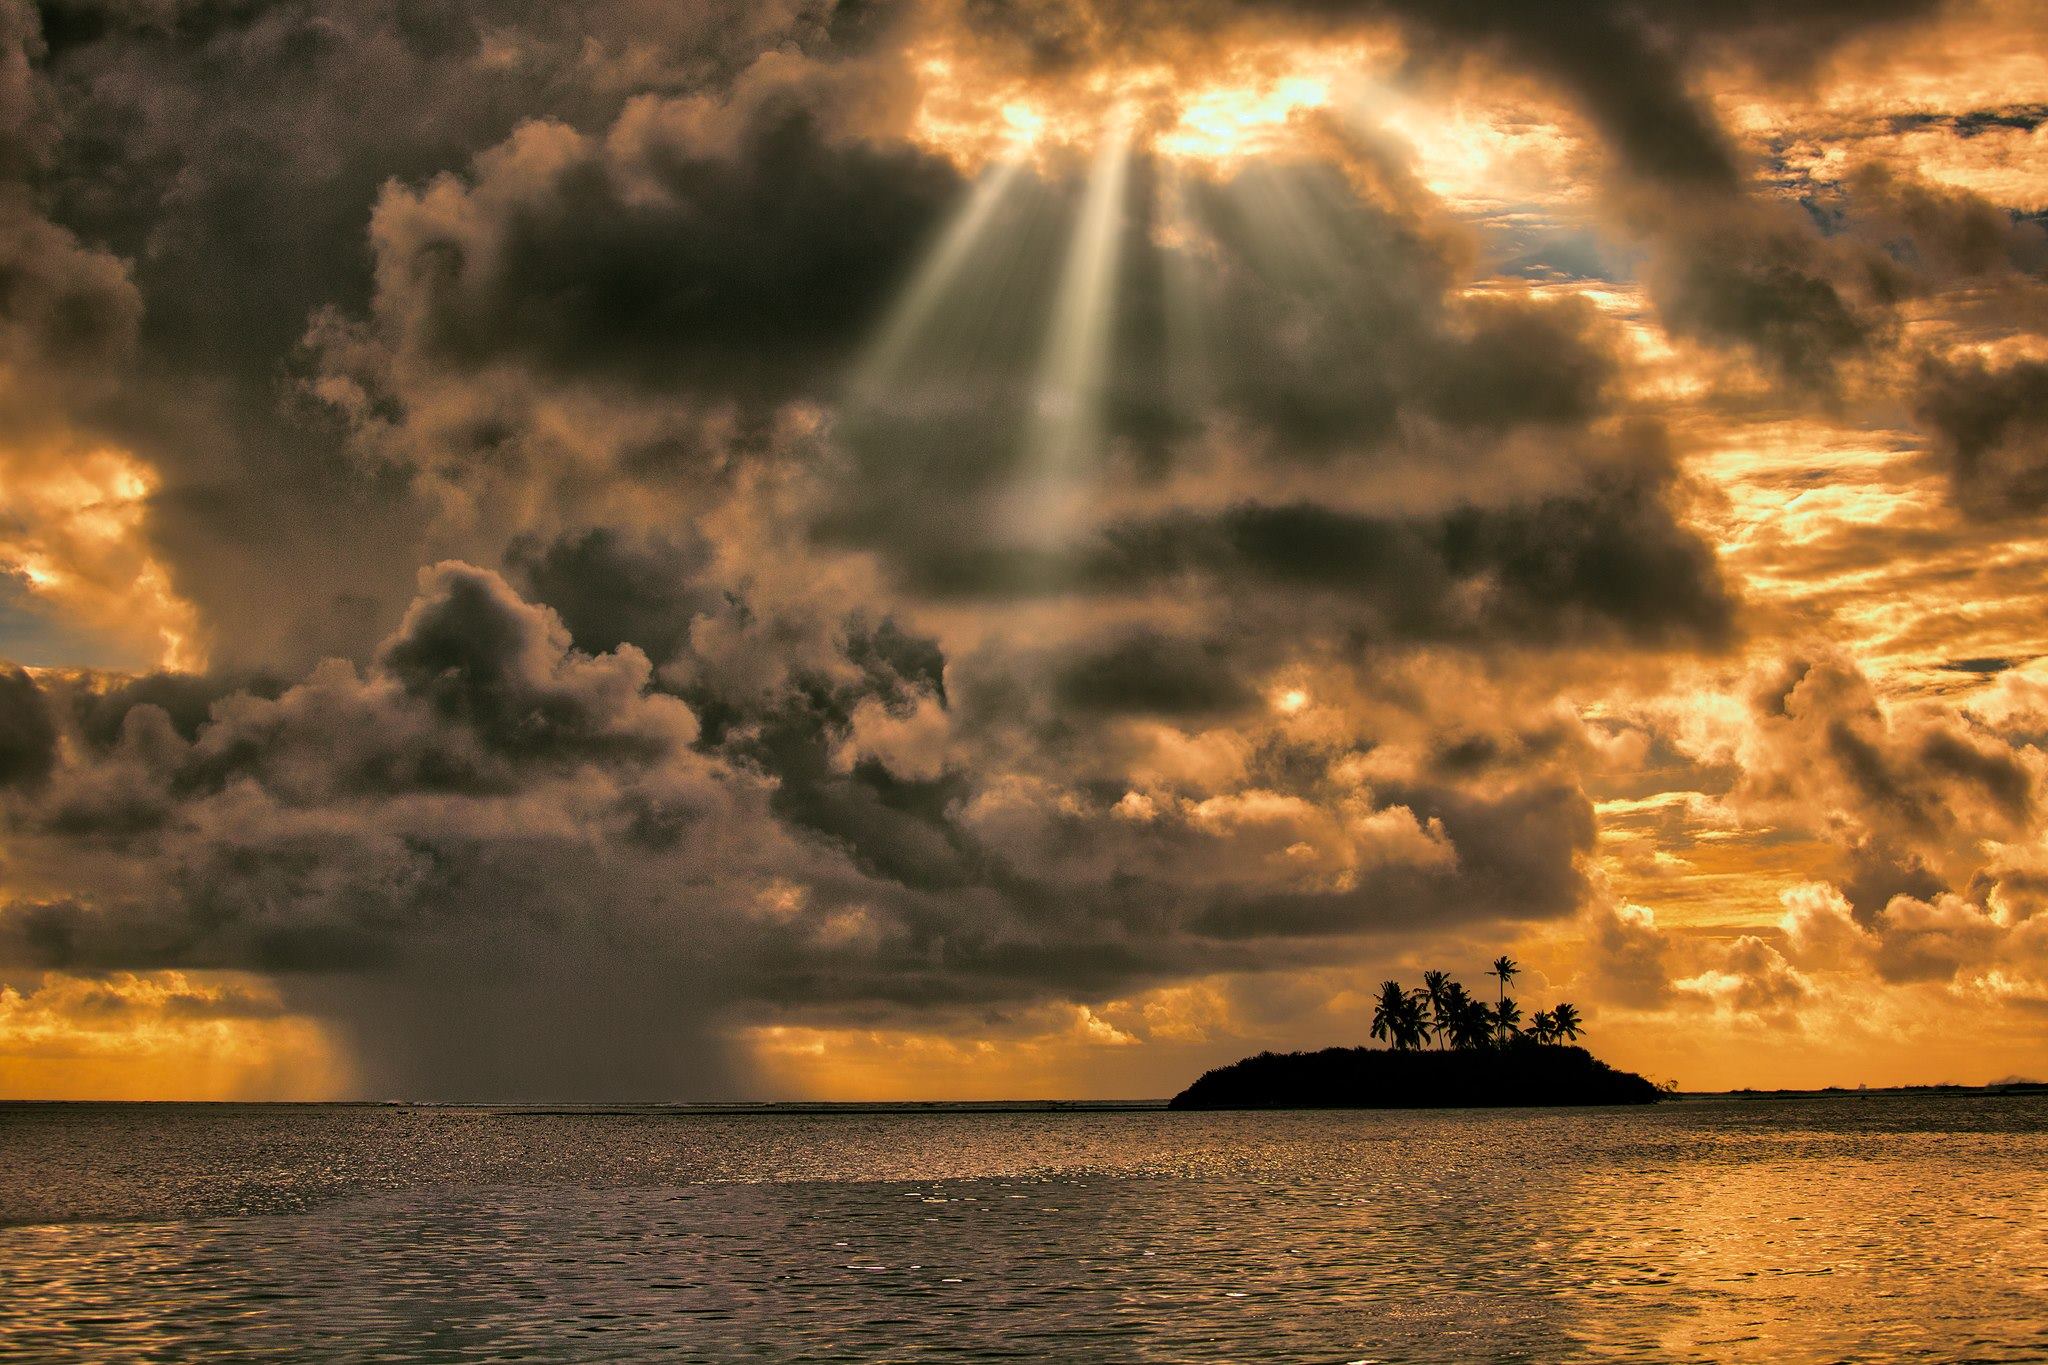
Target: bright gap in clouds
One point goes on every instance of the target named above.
(1248, 105)
(75, 540)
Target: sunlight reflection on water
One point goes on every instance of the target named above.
(1765, 1230)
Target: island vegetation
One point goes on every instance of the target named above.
(1445, 1047)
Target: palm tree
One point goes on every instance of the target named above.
(1389, 1015)
(1471, 1022)
(1414, 1031)
(1506, 969)
(1437, 986)
(1425, 1028)
(1507, 1018)
(1442, 1010)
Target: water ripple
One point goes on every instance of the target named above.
(1761, 1230)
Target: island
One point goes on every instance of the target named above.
(1482, 1057)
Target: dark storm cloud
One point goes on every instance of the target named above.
(485, 789)
(335, 825)
(194, 133)
(1943, 233)
(267, 131)
(478, 693)
(69, 312)
(1144, 671)
(1990, 425)
(1627, 61)
(562, 260)
(1336, 348)
(892, 827)
(1721, 268)
(64, 308)
(1616, 60)
(1517, 862)
(501, 669)
(1808, 292)
(204, 150)
(718, 249)
(1896, 791)
(28, 737)
(1765, 280)
(613, 587)
(1878, 871)
(185, 699)
(449, 829)
(1608, 562)
(226, 158)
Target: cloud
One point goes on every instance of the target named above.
(1606, 562)
(568, 661)
(28, 739)
(1629, 68)
(728, 244)
(1941, 938)
(477, 655)
(613, 587)
(1762, 277)
(1904, 788)
(1751, 980)
(1631, 963)
(1991, 432)
(226, 163)
(459, 803)
(1953, 234)
(1143, 671)
(485, 793)
(68, 310)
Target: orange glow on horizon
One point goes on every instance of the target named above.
(162, 1036)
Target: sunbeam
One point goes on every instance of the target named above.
(1294, 239)
(882, 367)
(1064, 428)
(1190, 373)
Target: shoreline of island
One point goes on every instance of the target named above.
(1518, 1073)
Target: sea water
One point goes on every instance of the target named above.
(1879, 1227)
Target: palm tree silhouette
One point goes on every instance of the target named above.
(1388, 1024)
(1443, 1010)
(1437, 987)
(1503, 969)
(1506, 969)
(1471, 1022)
(1507, 1018)
(1414, 1023)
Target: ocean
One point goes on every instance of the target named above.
(1851, 1227)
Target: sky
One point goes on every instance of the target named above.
(956, 549)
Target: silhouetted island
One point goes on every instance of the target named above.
(1484, 1058)
(1522, 1072)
